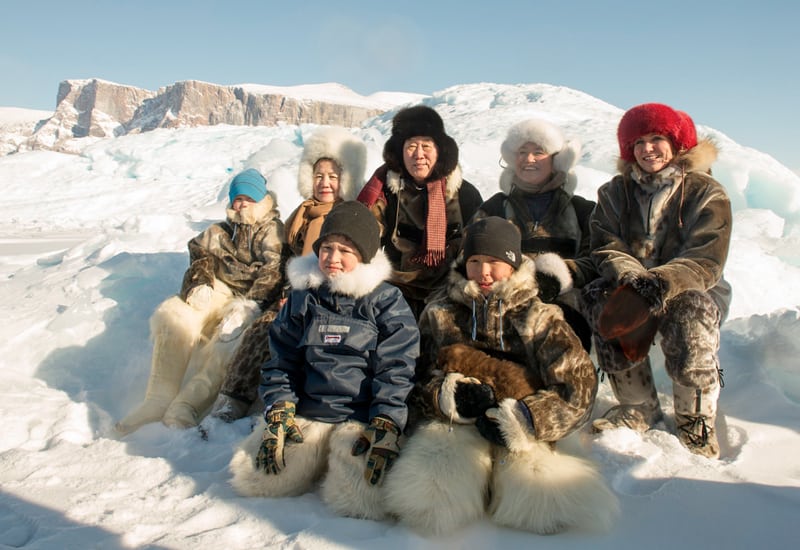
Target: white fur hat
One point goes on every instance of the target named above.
(345, 149)
(545, 135)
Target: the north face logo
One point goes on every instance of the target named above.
(511, 256)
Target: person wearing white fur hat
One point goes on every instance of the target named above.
(235, 271)
(343, 354)
(501, 378)
(537, 194)
(331, 171)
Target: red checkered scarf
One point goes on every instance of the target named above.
(435, 226)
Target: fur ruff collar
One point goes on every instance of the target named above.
(394, 182)
(697, 159)
(255, 213)
(304, 273)
(515, 292)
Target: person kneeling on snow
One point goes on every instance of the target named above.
(343, 352)
(660, 238)
(490, 415)
(235, 270)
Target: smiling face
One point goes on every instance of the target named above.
(337, 255)
(419, 156)
(533, 165)
(326, 180)
(653, 152)
(487, 270)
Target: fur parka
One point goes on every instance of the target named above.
(245, 252)
(511, 323)
(676, 225)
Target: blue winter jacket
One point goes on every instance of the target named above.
(342, 348)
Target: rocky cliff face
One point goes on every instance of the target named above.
(100, 109)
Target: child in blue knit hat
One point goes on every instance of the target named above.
(235, 273)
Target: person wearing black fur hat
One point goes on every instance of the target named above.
(537, 194)
(501, 378)
(421, 201)
(343, 353)
(660, 238)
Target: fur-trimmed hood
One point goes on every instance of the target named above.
(304, 273)
(515, 292)
(257, 212)
(342, 147)
(394, 182)
(697, 159)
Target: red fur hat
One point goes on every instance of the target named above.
(655, 118)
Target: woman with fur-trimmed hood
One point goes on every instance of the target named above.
(343, 353)
(235, 271)
(421, 201)
(331, 171)
(501, 378)
(660, 238)
(537, 194)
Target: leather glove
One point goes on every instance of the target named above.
(472, 400)
(508, 425)
(549, 286)
(200, 297)
(280, 425)
(380, 438)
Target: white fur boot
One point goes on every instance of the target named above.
(198, 394)
(344, 489)
(439, 482)
(175, 328)
(537, 489)
(305, 462)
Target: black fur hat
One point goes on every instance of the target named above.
(353, 220)
(420, 120)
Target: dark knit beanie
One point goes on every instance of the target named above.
(249, 183)
(655, 118)
(420, 120)
(353, 220)
(495, 237)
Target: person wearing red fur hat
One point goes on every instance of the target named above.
(660, 236)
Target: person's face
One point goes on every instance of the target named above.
(337, 255)
(653, 152)
(419, 156)
(241, 201)
(326, 180)
(487, 270)
(533, 165)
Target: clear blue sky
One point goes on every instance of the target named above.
(731, 64)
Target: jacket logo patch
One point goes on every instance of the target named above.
(332, 338)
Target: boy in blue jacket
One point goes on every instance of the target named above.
(343, 352)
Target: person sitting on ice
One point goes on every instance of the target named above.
(235, 271)
(502, 377)
(660, 237)
(343, 352)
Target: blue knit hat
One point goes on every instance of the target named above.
(250, 183)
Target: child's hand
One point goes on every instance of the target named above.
(381, 440)
(280, 425)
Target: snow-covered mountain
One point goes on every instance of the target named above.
(91, 242)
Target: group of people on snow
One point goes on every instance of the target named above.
(417, 353)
